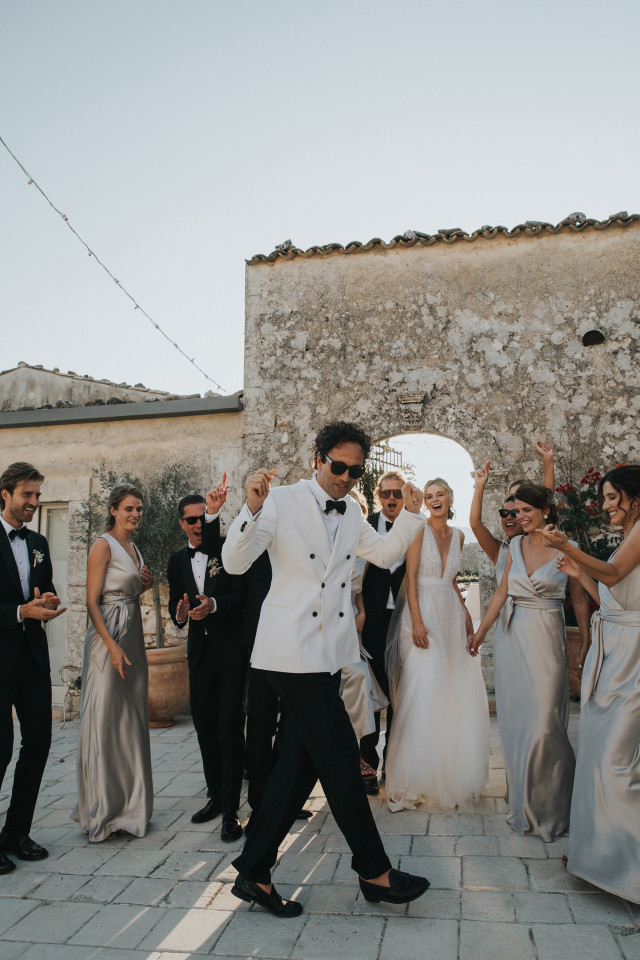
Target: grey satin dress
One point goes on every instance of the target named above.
(532, 699)
(115, 789)
(604, 843)
(501, 562)
(359, 689)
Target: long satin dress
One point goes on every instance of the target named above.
(501, 562)
(604, 843)
(532, 699)
(359, 689)
(115, 789)
(439, 745)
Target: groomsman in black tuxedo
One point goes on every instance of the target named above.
(203, 594)
(27, 601)
(379, 593)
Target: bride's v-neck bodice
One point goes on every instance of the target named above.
(431, 562)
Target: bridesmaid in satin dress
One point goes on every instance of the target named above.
(532, 693)
(604, 843)
(115, 790)
(498, 550)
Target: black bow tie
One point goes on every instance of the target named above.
(193, 550)
(389, 524)
(338, 505)
(22, 532)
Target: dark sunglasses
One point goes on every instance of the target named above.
(338, 468)
(385, 494)
(193, 520)
(507, 513)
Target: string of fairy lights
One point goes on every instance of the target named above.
(92, 253)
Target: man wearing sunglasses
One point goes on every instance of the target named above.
(305, 635)
(211, 601)
(379, 593)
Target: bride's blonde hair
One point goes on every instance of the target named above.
(447, 489)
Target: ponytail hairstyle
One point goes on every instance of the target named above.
(541, 497)
(624, 478)
(117, 495)
(439, 482)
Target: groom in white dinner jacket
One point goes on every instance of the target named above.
(305, 636)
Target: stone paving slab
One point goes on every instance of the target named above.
(167, 896)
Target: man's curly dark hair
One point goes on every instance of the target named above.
(339, 431)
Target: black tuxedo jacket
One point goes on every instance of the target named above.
(218, 636)
(375, 594)
(14, 635)
(258, 578)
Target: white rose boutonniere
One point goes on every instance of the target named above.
(213, 566)
(37, 558)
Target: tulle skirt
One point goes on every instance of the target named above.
(439, 747)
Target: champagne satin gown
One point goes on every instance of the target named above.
(604, 843)
(532, 699)
(115, 789)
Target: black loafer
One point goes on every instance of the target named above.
(210, 811)
(22, 846)
(230, 830)
(304, 814)
(6, 865)
(403, 888)
(273, 902)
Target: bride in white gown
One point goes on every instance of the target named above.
(439, 747)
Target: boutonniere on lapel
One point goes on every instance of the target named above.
(37, 558)
(213, 566)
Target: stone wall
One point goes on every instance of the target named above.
(66, 455)
(478, 341)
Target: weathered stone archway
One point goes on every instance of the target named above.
(479, 338)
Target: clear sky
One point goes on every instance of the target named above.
(182, 138)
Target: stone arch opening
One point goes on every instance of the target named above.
(436, 455)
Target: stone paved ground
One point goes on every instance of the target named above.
(167, 896)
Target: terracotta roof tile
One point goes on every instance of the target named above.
(575, 222)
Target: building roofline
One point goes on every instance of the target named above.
(574, 223)
(147, 410)
(86, 378)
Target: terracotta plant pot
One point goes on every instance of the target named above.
(168, 683)
(573, 651)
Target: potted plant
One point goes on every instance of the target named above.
(582, 520)
(157, 538)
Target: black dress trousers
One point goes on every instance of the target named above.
(315, 740)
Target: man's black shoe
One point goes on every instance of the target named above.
(22, 846)
(304, 814)
(230, 830)
(273, 902)
(210, 811)
(371, 786)
(403, 888)
(6, 865)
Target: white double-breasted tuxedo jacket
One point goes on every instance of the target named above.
(306, 623)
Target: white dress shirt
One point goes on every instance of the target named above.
(21, 554)
(330, 520)
(199, 567)
(382, 530)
